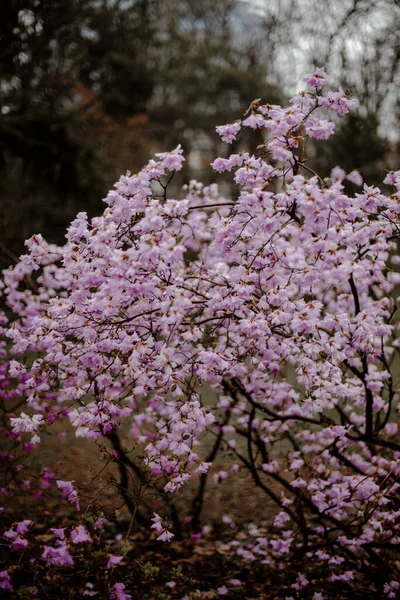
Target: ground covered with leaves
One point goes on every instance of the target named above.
(198, 562)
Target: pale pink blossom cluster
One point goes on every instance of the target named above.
(266, 322)
(162, 532)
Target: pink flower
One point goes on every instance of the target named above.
(316, 79)
(47, 478)
(165, 535)
(223, 590)
(337, 174)
(301, 582)
(58, 556)
(229, 132)
(24, 423)
(172, 160)
(113, 561)
(11, 534)
(100, 522)
(391, 589)
(69, 492)
(60, 533)
(19, 543)
(255, 121)
(79, 535)
(203, 467)
(22, 527)
(338, 102)
(355, 177)
(221, 165)
(320, 129)
(118, 593)
(5, 583)
(392, 178)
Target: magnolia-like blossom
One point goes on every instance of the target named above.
(390, 589)
(100, 522)
(337, 174)
(47, 478)
(338, 102)
(58, 556)
(69, 492)
(223, 590)
(301, 582)
(5, 582)
(171, 584)
(221, 165)
(79, 535)
(18, 542)
(22, 526)
(172, 160)
(164, 534)
(392, 178)
(60, 533)
(254, 121)
(228, 132)
(25, 423)
(113, 561)
(118, 592)
(16, 369)
(317, 79)
(355, 177)
(320, 129)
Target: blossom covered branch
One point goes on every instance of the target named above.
(282, 301)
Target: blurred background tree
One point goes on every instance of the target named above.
(71, 73)
(358, 42)
(90, 88)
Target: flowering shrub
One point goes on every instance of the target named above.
(282, 300)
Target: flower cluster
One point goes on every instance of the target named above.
(281, 302)
(163, 534)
